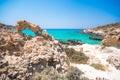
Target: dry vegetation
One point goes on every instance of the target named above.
(50, 73)
(75, 56)
(98, 66)
(115, 25)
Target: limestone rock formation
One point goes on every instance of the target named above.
(97, 32)
(71, 42)
(46, 35)
(23, 24)
(102, 30)
(22, 56)
(40, 49)
(112, 38)
(6, 27)
(110, 32)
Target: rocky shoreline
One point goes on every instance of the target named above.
(26, 58)
(102, 30)
(110, 33)
(43, 58)
(23, 56)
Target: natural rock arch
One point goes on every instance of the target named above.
(23, 24)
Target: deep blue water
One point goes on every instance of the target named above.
(67, 34)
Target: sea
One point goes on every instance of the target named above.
(68, 34)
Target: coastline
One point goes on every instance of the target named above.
(26, 57)
(98, 55)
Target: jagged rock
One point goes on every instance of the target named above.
(102, 30)
(13, 75)
(46, 35)
(71, 42)
(88, 31)
(3, 66)
(23, 56)
(11, 43)
(45, 50)
(112, 38)
(5, 27)
(97, 32)
(110, 32)
(74, 42)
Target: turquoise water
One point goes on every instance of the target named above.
(67, 34)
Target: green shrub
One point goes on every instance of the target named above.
(73, 73)
(49, 73)
(75, 56)
(98, 66)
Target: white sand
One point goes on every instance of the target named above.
(98, 55)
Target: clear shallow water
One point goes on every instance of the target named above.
(67, 34)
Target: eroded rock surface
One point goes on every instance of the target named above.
(22, 56)
(23, 24)
(102, 30)
(112, 38)
(110, 32)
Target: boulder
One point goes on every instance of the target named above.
(112, 38)
(71, 42)
(74, 42)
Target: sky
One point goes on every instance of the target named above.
(71, 14)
